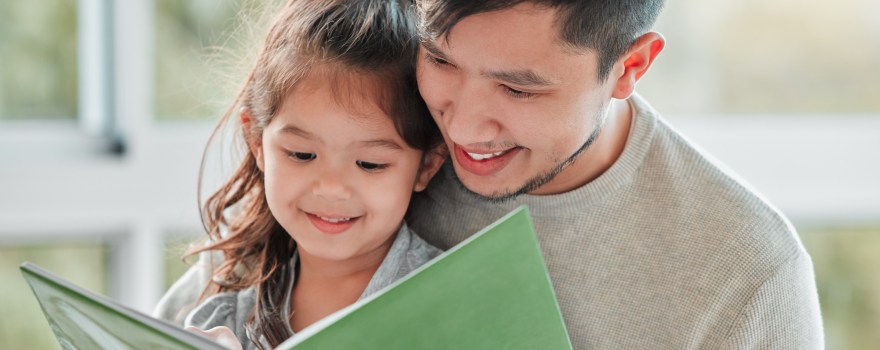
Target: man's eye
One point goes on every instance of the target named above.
(519, 94)
(302, 156)
(370, 166)
(436, 61)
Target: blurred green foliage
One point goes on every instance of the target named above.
(846, 262)
(175, 247)
(38, 62)
(720, 57)
(769, 57)
(193, 53)
(23, 325)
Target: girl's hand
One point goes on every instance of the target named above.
(220, 334)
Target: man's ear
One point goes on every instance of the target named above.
(636, 62)
(431, 163)
(253, 140)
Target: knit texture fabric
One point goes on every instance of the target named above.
(665, 250)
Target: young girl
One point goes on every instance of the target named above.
(338, 140)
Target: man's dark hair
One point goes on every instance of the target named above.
(608, 27)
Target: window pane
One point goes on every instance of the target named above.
(780, 56)
(38, 64)
(175, 246)
(846, 262)
(192, 47)
(23, 325)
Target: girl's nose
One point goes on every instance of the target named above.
(332, 186)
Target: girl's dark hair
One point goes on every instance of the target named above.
(607, 27)
(360, 41)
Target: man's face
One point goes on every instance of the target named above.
(514, 105)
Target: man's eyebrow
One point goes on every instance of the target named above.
(434, 49)
(523, 77)
(382, 143)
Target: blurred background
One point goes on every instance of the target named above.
(106, 106)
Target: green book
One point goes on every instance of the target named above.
(491, 291)
(82, 319)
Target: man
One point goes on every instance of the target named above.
(649, 243)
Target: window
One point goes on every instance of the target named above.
(754, 56)
(38, 60)
(23, 325)
(176, 244)
(845, 260)
(202, 54)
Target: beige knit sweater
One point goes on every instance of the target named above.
(665, 250)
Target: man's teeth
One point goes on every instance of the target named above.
(334, 220)
(480, 156)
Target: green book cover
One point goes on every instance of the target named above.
(82, 319)
(491, 291)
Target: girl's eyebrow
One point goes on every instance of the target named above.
(290, 129)
(382, 143)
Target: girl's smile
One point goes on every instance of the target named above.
(332, 224)
(338, 176)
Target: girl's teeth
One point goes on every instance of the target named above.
(479, 156)
(334, 220)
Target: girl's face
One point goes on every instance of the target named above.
(338, 177)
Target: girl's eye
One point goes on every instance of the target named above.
(518, 94)
(302, 156)
(370, 166)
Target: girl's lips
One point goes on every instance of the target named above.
(333, 225)
(483, 167)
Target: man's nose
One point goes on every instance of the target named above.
(470, 117)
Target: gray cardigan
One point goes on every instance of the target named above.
(232, 309)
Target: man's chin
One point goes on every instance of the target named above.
(487, 191)
(492, 189)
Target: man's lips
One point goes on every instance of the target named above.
(332, 224)
(485, 156)
(484, 163)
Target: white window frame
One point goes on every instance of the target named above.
(65, 181)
